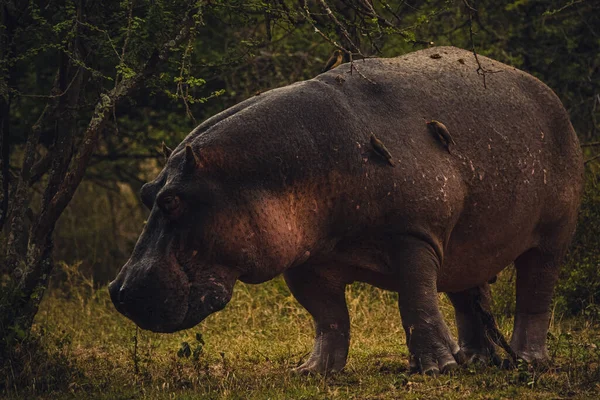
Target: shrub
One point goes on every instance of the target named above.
(579, 285)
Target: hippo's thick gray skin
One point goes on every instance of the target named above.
(287, 182)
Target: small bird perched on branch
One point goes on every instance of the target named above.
(334, 61)
(381, 150)
(442, 133)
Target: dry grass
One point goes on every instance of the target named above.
(85, 349)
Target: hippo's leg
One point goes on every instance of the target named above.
(472, 337)
(536, 275)
(321, 292)
(432, 348)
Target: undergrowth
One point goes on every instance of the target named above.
(82, 348)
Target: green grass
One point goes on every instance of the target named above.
(85, 349)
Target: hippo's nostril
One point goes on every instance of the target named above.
(117, 292)
(121, 295)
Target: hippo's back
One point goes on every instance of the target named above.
(497, 114)
(516, 163)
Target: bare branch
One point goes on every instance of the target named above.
(480, 69)
(558, 10)
(49, 96)
(380, 19)
(128, 35)
(343, 29)
(590, 144)
(389, 9)
(40, 168)
(4, 159)
(597, 156)
(353, 66)
(317, 30)
(95, 28)
(125, 156)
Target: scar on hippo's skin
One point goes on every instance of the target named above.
(381, 150)
(166, 151)
(441, 133)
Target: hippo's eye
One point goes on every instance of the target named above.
(169, 204)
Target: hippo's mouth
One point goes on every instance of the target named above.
(193, 314)
(204, 295)
(204, 298)
(170, 295)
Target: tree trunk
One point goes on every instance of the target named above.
(19, 301)
(28, 263)
(4, 157)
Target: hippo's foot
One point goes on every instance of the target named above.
(433, 350)
(329, 354)
(475, 325)
(537, 271)
(485, 355)
(321, 292)
(529, 339)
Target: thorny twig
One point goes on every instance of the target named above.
(380, 19)
(597, 156)
(180, 85)
(317, 30)
(353, 66)
(333, 42)
(480, 69)
(49, 96)
(590, 144)
(128, 34)
(122, 61)
(105, 32)
(183, 88)
(397, 30)
(332, 17)
(556, 11)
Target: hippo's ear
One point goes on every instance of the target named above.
(166, 151)
(192, 162)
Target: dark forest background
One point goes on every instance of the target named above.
(89, 91)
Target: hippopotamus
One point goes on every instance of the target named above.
(290, 182)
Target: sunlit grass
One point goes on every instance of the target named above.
(87, 349)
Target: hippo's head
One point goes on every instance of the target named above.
(171, 280)
(201, 236)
